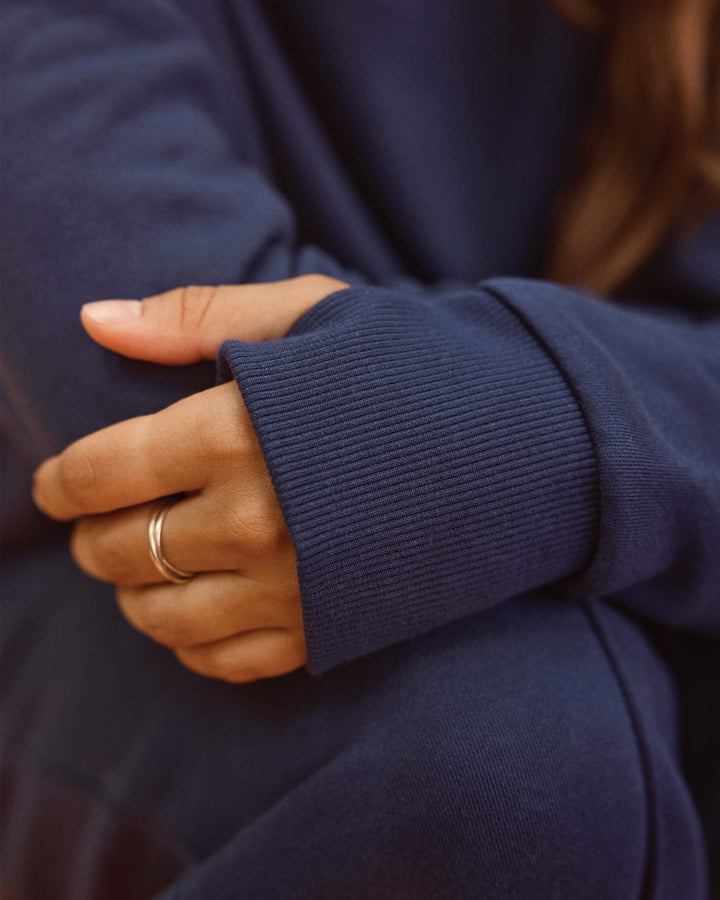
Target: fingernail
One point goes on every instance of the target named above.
(114, 312)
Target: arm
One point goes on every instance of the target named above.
(435, 458)
(234, 227)
(532, 436)
(133, 161)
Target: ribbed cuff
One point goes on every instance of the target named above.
(429, 459)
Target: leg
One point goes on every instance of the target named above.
(500, 759)
(506, 756)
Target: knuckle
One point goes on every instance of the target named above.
(280, 598)
(223, 662)
(168, 634)
(124, 598)
(191, 661)
(98, 553)
(234, 669)
(227, 662)
(193, 304)
(154, 620)
(228, 445)
(79, 548)
(224, 432)
(260, 530)
(77, 478)
(284, 657)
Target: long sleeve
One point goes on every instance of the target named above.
(155, 143)
(134, 162)
(434, 452)
(436, 458)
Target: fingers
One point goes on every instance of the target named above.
(188, 324)
(221, 626)
(209, 608)
(176, 450)
(247, 657)
(199, 534)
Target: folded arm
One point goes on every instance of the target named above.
(433, 458)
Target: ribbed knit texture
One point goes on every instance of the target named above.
(650, 390)
(528, 752)
(429, 458)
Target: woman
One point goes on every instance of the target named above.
(494, 500)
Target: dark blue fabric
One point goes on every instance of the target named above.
(433, 458)
(474, 742)
(429, 458)
(518, 750)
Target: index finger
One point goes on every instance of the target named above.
(140, 459)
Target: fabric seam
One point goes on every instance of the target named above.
(650, 874)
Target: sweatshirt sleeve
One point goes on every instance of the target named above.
(436, 457)
(134, 161)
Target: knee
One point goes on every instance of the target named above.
(514, 808)
(510, 777)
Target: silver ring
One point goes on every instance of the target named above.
(166, 569)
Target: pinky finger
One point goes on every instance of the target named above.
(250, 656)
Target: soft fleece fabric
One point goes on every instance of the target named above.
(449, 436)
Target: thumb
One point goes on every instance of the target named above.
(188, 324)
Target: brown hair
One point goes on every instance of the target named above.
(650, 158)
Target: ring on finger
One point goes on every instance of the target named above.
(164, 567)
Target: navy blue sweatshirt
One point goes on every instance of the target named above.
(436, 450)
(452, 431)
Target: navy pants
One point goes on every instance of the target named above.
(529, 752)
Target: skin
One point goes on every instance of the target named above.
(240, 618)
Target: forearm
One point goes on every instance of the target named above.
(435, 458)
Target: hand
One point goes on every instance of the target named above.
(239, 619)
